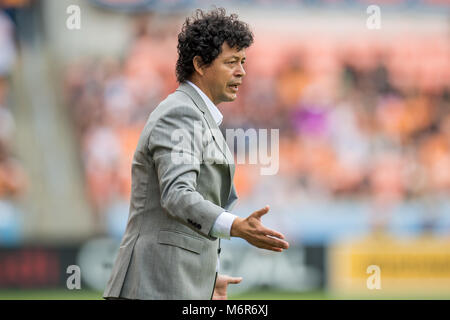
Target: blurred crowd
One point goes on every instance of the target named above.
(13, 180)
(110, 100)
(12, 177)
(359, 120)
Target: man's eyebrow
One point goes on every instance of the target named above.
(236, 57)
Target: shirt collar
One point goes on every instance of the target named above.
(216, 114)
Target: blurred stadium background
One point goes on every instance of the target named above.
(364, 152)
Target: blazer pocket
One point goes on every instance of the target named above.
(181, 240)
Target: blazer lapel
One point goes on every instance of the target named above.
(217, 135)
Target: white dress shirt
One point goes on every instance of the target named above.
(222, 225)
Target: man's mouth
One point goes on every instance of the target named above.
(234, 87)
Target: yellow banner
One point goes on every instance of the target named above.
(384, 263)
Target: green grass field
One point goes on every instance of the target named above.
(257, 295)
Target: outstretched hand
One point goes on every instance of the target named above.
(222, 281)
(252, 230)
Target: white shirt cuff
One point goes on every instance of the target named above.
(222, 226)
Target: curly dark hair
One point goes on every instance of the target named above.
(204, 34)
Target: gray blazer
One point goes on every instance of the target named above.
(167, 251)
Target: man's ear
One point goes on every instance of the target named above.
(198, 64)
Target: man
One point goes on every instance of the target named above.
(179, 209)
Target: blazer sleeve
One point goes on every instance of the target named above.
(176, 147)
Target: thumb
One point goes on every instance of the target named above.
(234, 280)
(258, 214)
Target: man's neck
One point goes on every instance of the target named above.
(204, 89)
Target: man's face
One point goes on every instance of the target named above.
(223, 77)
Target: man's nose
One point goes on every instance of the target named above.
(240, 71)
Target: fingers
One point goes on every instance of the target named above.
(259, 236)
(234, 280)
(274, 238)
(259, 213)
(228, 279)
(272, 242)
(278, 240)
(273, 249)
(270, 248)
(277, 246)
(267, 242)
(272, 233)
